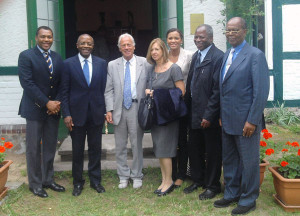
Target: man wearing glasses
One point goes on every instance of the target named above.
(244, 88)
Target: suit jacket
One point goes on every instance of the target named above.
(78, 97)
(205, 101)
(184, 62)
(39, 86)
(115, 85)
(244, 90)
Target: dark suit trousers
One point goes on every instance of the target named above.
(94, 139)
(241, 167)
(39, 156)
(205, 154)
(179, 163)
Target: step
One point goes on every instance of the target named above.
(108, 148)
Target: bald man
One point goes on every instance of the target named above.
(83, 108)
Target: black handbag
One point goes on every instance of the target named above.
(145, 113)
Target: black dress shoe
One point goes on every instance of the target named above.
(169, 190)
(222, 203)
(77, 190)
(99, 188)
(55, 187)
(157, 191)
(191, 188)
(39, 192)
(207, 194)
(242, 210)
(176, 186)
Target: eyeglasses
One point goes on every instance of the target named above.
(234, 32)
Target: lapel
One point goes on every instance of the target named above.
(42, 60)
(120, 69)
(223, 63)
(139, 68)
(78, 69)
(205, 61)
(181, 58)
(238, 60)
(95, 69)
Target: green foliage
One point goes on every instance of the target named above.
(249, 10)
(282, 116)
(292, 170)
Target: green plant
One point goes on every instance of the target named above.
(266, 145)
(289, 161)
(288, 156)
(282, 116)
(249, 10)
(3, 146)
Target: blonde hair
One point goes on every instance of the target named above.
(163, 47)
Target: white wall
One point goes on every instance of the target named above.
(211, 10)
(10, 96)
(13, 34)
(14, 39)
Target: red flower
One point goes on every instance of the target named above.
(299, 152)
(284, 163)
(2, 149)
(284, 150)
(263, 143)
(265, 131)
(288, 143)
(2, 138)
(8, 145)
(295, 144)
(269, 151)
(267, 135)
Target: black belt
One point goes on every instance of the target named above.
(135, 100)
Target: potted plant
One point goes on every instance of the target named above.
(264, 149)
(4, 166)
(286, 177)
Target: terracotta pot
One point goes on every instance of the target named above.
(4, 173)
(262, 169)
(288, 190)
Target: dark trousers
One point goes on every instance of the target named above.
(40, 156)
(205, 154)
(94, 139)
(241, 167)
(179, 163)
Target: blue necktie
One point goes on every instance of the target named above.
(49, 62)
(86, 72)
(127, 87)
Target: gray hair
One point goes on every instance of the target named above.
(208, 29)
(125, 35)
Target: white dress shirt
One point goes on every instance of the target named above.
(90, 63)
(132, 67)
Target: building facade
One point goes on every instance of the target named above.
(145, 20)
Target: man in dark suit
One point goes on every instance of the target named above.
(202, 98)
(244, 88)
(39, 73)
(83, 107)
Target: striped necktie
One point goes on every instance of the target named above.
(48, 61)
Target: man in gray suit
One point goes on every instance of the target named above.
(126, 84)
(244, 88)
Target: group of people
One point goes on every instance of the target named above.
(225, 95)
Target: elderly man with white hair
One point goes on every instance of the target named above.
(126, 84)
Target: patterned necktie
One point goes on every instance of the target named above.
(86, 72)
(49, 62)
(197, 64)
(127, 87)
(228, 63)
